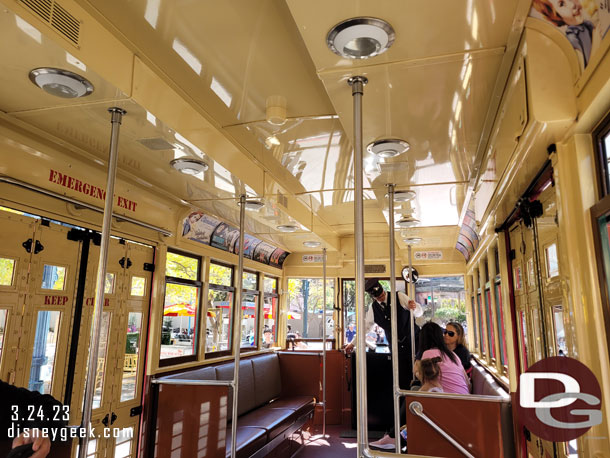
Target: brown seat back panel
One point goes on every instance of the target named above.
(267, 379)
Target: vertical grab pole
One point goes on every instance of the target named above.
(116, 116)
(412, 320)
(357, 83)
(394, 320)
(324, 344)
(237, 322)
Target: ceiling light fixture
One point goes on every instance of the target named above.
(287, 228)
(407, 221)
(388, 147)
(412, 240)
(189, 166)
(360, 38)
(312, 244)
(403, 196)
(254, 205)
(61, 83)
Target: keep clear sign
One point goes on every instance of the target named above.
(428, 255)
(313, 258)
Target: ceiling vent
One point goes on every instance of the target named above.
(56, 16)
(156, 143)
(374, 268)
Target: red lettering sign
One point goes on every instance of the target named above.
(55, 300)
(88, 189)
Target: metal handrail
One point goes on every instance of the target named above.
(464, 397)
(418, 410)
(160, 381)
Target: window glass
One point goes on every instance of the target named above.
(3, 315)
(552, 263)
(218, 331)
(180, 266)
(250, 281)
(491, 340)
(132, 350)
(560, 334)
(124, 443)
(482, 335)
(474, 321)
(305, 317)
(269, 336)
(221, 275)
(138, 286)
(523, 340)
(53, 277)
(249, 310)
(270, 285)
(7, 271)
(101, 361)
(109, 283)
(179, 320)
(45, 347)
(500, 320)
(443, 299)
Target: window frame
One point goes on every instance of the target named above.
(257, 293)
(275, 295)
(602, 169)
(231, 289)
(184, 281)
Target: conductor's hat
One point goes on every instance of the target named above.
(373, 287)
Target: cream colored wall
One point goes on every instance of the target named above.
(575, 177)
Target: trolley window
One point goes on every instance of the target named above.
(270, 309)
(220, 309)
(602, 136)
(180, 324)
(249, 310)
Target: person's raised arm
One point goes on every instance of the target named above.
(410, 304)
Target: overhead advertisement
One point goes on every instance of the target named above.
(208, 230)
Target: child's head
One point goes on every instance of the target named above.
(560, 12)
(430, 369)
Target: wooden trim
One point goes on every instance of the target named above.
(602, 208)
(601, 165)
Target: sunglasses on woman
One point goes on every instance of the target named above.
(449, 333)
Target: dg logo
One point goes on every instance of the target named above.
(559, 399)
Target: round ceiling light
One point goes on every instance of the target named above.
(403, 196)
(388, 147)
(412, 240)
(360, 38)
(61, 83)
(407, 221)
(254, 205)
(312, 244)
(287, 228)
(189, 166)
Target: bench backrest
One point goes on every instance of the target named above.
(259, 380)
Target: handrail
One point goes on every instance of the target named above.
(417, 409)
(464, 397)
(178, 381)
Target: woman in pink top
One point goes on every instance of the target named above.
(432, 343)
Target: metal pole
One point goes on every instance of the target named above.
(324, 344)
(411, 286)
(394, 321)
(116, 115)
(237, 322)
(357, 83)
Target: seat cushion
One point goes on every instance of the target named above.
(299, 404)
(248, 441)
(274, 421)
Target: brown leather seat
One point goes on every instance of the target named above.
(300, 404)
(274, 421)
(248, 441)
